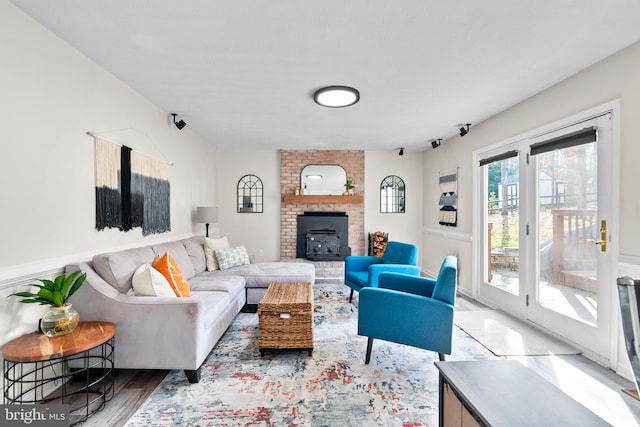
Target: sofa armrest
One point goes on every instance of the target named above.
(360, 262)
(144, 323)
(407, 283)
(377, 269)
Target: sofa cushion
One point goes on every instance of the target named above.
(179, 254)
(195, 250)
(215, 304)
(117, 268)
(210, 245)
(147, 281)
(170, 269)
(260, 274)
(232, 257)
(206, 281)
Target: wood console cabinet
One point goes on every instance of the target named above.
(505, 393)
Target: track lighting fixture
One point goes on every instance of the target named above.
(465, 130)
(401, 152)
(179, 124)
(436, 143)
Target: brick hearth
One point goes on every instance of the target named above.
(329, 271)
(291, 164)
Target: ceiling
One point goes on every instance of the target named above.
(242, 73)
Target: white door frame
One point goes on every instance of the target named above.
(515, 305)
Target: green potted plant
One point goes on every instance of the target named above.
(61, 318)
(349, 187)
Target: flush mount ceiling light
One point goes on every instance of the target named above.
(336, 96)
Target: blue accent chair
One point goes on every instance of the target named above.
(411, 310)
(363, 271)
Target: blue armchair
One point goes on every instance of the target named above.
(363, 271)
(411, 310)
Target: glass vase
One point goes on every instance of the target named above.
(59, 321)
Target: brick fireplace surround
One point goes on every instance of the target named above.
(291, 164)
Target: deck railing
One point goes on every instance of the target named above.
(572, 250)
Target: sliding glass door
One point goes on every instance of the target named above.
(545, 217)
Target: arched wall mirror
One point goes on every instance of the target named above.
(250, 194)
(324, 180)
(392, 192)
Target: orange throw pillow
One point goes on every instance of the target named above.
(168, 266)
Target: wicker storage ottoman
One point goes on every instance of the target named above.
(285, 318)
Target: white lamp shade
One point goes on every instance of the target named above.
(207, 215)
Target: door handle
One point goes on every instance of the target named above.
(603, 237)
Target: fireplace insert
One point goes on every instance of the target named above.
(323, 236)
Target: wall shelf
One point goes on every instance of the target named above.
(313, 199)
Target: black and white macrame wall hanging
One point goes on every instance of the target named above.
(132, 190)
(448, 182)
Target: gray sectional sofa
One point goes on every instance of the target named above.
(173, 333)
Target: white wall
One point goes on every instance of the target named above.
(51, 95)
(258, 232)
(439, 241)
(613, 78)
(402, 227)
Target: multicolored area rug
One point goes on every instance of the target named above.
(333, 387)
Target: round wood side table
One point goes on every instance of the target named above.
(74, 369)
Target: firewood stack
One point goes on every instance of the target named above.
(378, 243)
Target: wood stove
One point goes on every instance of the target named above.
(323, 236)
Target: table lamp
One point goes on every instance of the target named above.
(207, 215)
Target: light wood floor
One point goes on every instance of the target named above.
(132, 388)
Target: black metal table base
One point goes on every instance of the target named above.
(84, 381)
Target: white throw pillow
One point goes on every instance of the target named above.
(147, 281)
(210, 245)
(233, 257)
